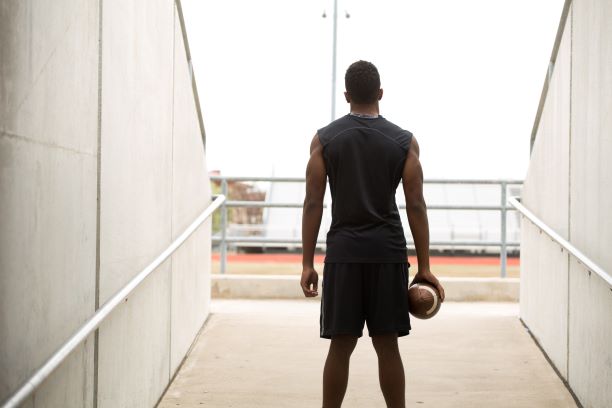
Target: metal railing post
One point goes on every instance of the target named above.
(223, 260)
(503, 253)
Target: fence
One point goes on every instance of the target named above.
(223, 240)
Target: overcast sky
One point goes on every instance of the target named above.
(464, 76)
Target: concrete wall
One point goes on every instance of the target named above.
(48, 177)
(191, 279)
(98, 121)
(590, 322)
(569, 186)
(136, 198)
(546, 193)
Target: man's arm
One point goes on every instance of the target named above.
(416, 209)
(316, 181)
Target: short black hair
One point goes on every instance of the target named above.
(362, 82)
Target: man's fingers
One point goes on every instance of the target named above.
(441, 291)
(313, 289)
(313, 284)
(305, 289)
(436, 283)
(309, 292)
(432, 281)
(309, 283)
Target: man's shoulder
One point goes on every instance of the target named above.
(328, 132)
(401, 136)
(392, 126)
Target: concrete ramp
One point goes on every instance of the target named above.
(267, 353)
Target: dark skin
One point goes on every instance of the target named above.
(391, 370)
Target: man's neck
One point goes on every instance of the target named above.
(369, 110)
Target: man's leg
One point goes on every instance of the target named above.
(336, 372)
(390, 370)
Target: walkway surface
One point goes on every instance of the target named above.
(267, 353)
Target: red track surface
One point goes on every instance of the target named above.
(297, 258)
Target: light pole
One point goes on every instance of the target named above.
(334, 57)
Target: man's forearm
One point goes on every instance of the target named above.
(311, 222)
(419, 226)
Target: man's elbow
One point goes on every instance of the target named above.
(312, 203)
(416, 204)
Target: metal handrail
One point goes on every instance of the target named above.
(94, 322)
(426, 181)
(265, 204)
(581, 257)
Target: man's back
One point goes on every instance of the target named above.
(364, 159)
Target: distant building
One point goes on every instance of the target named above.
(241, 191)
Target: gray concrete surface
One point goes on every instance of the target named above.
(544, 268)
(590, 325)
(48, 149)
(136, 198)
(267, 353)
(591, 130)
(190, 195)
(590, 338)
(544, 289)
(90, 99)
(234, 286)
(569, 186)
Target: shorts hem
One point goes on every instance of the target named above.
(401, 332)
(329, 335)
(368, 260)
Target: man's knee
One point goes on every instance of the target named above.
(385, 343)
(343, 344)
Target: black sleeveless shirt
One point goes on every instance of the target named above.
(364, 160)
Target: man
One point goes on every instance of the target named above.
(365, 279)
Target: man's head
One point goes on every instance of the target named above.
(362, 83)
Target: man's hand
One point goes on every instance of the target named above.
(428, 277)
(309, 282)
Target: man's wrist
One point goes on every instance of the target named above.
(424, 268)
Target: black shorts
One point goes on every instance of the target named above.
(358, 293)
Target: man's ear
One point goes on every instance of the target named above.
(347, 97)
(380, 94)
